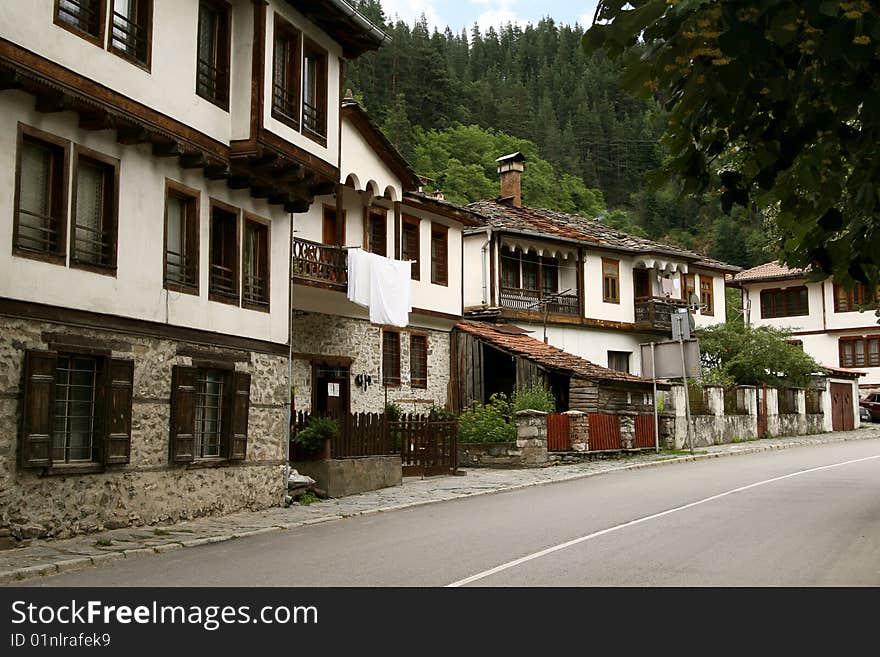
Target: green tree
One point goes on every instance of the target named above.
(752, 355)
(771, 103)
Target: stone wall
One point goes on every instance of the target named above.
(489, 455)
(341, 477)
(531, 437)
(331, 335)
(40, 503)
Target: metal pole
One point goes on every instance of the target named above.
(686, 392)
(289, 403)
(656, 413)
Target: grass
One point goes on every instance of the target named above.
(682, 452)
(305, 499)
(103, 542)
(161, 532)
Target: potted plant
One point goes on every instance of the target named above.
(313, 442)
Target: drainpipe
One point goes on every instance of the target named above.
(289, 404)
(483, 250)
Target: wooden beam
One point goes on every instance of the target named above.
(132, 135)
(168, 149)
(100, 120)
(263, 161)
(52, 101)
(322, 188)
(193, 160)
(217, 171)
(288, 172)
(238, 182)
(259, 191)
(297, 206)
(280, 199)
(10, 79)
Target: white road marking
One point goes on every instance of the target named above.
(576, 541)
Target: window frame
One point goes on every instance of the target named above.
(850, 342)
(513, 265)
(610, 276)
(440, 231)
(392, 380)
(765, 294)
(619, 354)
(192, 197)
(264, 226)
(147, 16)
(95, 39)
(222, 52)
(854, 298)
(213, 295)
(326, 211)
(707, 291)
(418, 382)
(319, 133)
(292, 71)
(111, 195)
(407, 250)
(379, 215)
(59, 256)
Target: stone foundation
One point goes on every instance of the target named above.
(341, 477)
(488, 455)
(358, 339)
(52, 503)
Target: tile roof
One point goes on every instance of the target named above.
(767, 272)
(516, 342)
(560, 225)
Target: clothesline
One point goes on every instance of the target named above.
(346, 248)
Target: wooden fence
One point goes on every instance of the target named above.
(604, 432)
(558, 437)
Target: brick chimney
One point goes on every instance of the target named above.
(510, 168)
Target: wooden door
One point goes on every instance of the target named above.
(331, 393)
(641, 284)
(842, 417)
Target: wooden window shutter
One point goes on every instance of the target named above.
(120, 389)
(240, 403)
(38, 411)
(183, 413)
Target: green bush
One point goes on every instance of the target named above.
(533, 396)
(487, 423)
(393, 412)
(320, 429)
(440, 414)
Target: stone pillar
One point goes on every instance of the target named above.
(747, 399)
(825, 406)
(627, 429)
(800, 404)
(677, 395)
(578, 430)
(772, 411)
(531, 437)
(714, 400)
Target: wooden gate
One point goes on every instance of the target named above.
(604, 432)
(558, 437)
(645, 433)
(426, 448)
(842, 417)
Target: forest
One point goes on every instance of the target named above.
(452, 103)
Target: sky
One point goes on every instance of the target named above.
(458, 14)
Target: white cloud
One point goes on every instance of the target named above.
(500, 13)
(410, 11)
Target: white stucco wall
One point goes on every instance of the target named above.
(359, 159)
(137, 289)
(330, 152)
(596, 308)
(474, 259)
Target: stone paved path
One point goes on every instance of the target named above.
(45, 557)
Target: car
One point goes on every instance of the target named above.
(864, 414)
(871, 403)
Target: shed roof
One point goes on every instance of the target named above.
(769, 271)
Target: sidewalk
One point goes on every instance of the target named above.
(44, 557)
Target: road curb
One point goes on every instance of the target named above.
(18, 575)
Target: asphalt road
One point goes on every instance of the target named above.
(691, 524)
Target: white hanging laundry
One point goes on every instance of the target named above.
(390, 292)
(676, 286)
(667, 286)
(360, 265)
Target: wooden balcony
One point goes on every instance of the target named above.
(655, 313)
(527, 301)
(319, 265)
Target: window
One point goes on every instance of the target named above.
(378, 231)
(314, 106)
(181, 238)
(212, 58)
(439, 254)
(223, 273)
(789, 302)
(529, 265)
(76, 409)
(409, 245)
(390, 358)
(707, 296)
(328, 232)
(549, 276)
(131, 25)
(610, 280)
(255, 285)
(209, 414)
(83, 17)
(41, 195)
(690, 288)
(850, 300)
(418, 361)
(860, 352)
(618, 361)
(509, 269)
(95, 194)
(285, 73)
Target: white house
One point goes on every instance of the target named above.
(154, 154)
(829, 321)
(597, 292)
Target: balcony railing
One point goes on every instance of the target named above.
(319, 263)
(655, 314)
(525, 300)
